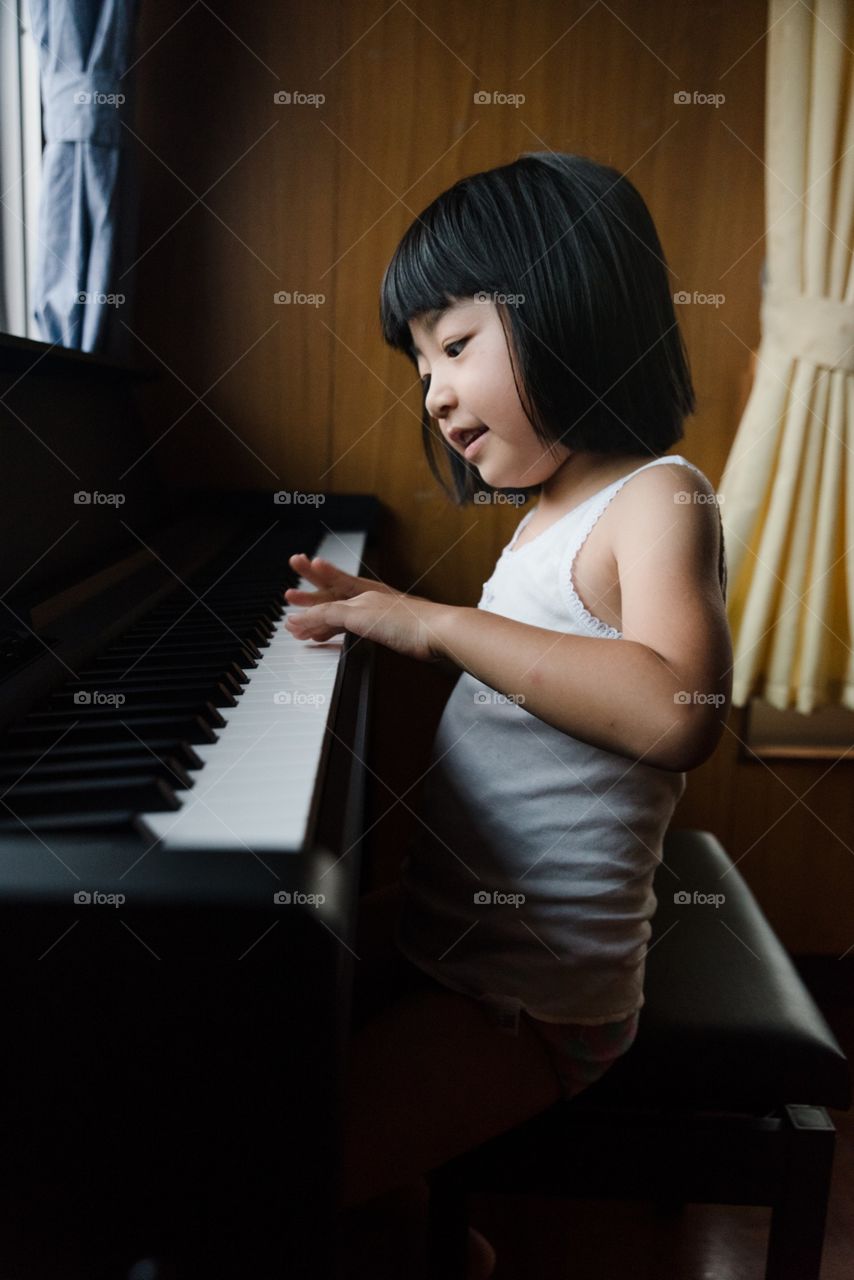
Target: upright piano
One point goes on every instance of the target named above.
(183, 791)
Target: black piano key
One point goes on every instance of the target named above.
(266, 606)
(137, 762)
(237, 591)
(259, 632)
(253, 638)
(221, 693)
(136, 792)
(225, 620)
(263, 598)
(102, 821)
(134, 728)
(216, 641)
(258, 598)
(179, 645)
(215, 670)
(212, 628)
(175, 662)
(97, 714)
(227, 617)
(94, 752)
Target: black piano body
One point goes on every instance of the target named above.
(175, 1042)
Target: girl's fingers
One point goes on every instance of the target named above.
(294, 596)
(316, 570)
(321, 573)
(332, 583)
(301, 564)
(318, 631)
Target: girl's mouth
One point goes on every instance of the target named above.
(474, 442)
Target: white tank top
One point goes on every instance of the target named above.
(512, 805)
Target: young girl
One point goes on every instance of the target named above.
(506, 969)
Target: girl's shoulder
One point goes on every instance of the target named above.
(670, 477)
(676, 465)
(673, 499)
(666, 481)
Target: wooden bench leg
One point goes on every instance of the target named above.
(798, 1217)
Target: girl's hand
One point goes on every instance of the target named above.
(332, 583)
(404, 623)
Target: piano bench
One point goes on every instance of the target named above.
(720, 1100)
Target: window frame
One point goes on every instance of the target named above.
(21, 145)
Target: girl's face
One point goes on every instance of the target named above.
(465, 369)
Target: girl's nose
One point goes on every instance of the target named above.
(439, 399)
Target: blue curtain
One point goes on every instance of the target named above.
(88, 214)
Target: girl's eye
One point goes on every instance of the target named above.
(425, 381)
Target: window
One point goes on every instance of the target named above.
(20, 167)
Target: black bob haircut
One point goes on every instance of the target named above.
(595, 339)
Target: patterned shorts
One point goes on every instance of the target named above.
(579, 1053)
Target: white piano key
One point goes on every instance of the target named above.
(258, 780)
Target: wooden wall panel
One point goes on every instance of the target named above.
(315, 199)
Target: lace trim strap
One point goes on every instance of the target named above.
(566, 579)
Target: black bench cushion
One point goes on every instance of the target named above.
(727, 1023)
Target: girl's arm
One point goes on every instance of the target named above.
(661, 693)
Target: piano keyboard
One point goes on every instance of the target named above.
(259, 778)
(218, 738)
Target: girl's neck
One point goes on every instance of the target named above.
(581, 475)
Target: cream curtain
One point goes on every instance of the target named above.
(788, 487)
